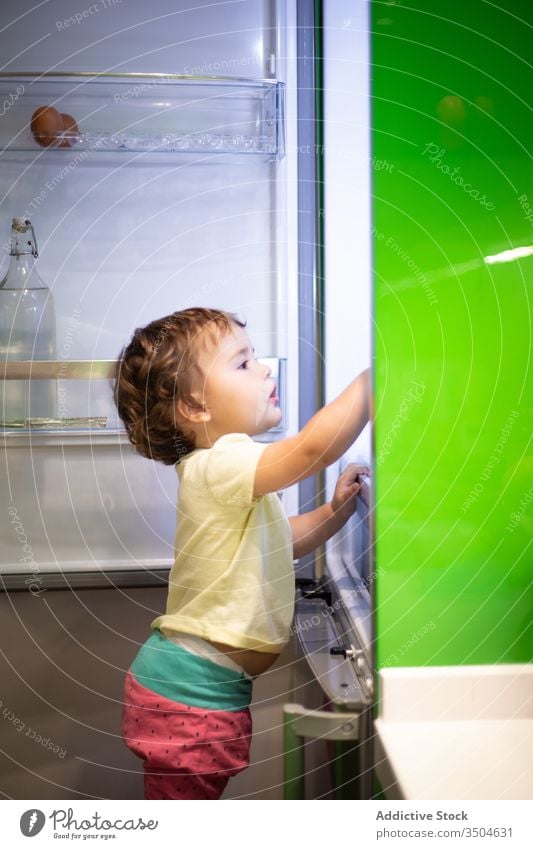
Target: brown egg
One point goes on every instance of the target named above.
(70, 130)
(452, 111)
(47, 126)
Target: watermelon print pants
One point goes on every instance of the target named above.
(188, 719)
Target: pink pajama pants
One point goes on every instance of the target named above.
(190, 751)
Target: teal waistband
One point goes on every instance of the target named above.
(170, 670)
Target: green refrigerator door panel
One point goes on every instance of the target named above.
(452, 188)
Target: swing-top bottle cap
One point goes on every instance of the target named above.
(21, 224)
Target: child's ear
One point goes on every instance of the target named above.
(195, 413)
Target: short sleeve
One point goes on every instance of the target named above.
(230, 469)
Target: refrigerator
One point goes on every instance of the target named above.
(220, 159)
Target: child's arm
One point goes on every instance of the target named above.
(309, 530)
(325, 438)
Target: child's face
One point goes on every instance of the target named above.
(239, 394)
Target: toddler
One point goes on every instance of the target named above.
(191, 393)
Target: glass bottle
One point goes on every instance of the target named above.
(27, 330)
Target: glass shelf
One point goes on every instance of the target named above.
(65, 424)
(153, 113)
(93, 424)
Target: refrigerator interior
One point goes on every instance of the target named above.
(126, 237)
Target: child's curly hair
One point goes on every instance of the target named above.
(156, 369)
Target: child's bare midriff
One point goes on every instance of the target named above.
(253, 662)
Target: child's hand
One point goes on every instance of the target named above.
(346, 489)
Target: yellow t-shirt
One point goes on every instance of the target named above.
(232, 579)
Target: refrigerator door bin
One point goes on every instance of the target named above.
(332, 624)
(334, 658)
(351, 571)
(341, 674)
(341, 728)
